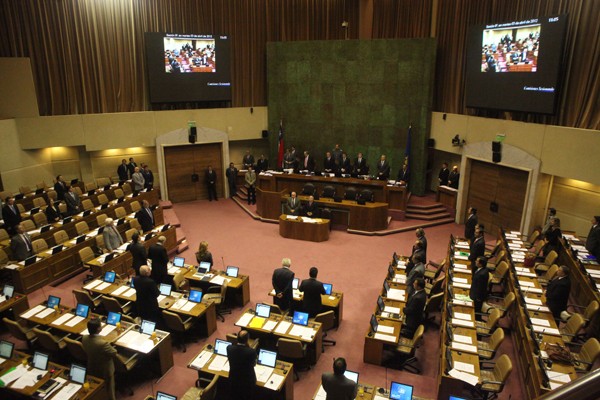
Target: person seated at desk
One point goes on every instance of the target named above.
(11, 215)
(248, 160)
(20, 244)
(312, 289)
(293, 205)
(146, 296)
(282, 281)
(329, 165)
(479, 286)
(262, 164)
(73, 202)
(145, 216)
(100, 355)
(413, 312)
(557, 292)
(416, 273)
(52, 214)
(360, 165)
(242, 359)
(403, 176)
(345, 167)
(336, 385)
(310, 209)
(110, 234)
(383, 169)
(138, 253)
(157, 253)
(203, 255)
(477, 246)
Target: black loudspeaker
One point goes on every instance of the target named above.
(192, 135)
(431, 143)
(496, 152)
(496, 157)
(265, 134)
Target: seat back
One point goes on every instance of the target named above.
(40, 219)
(15, 329)
(119, 193)
(551, 272)
(87, 204)
(41, 185)
(328, 192)
(39, 202)
(366, 195)
(90, 186)
(210, 391)
(52, 195)
(590, 351)
(24, 190)
(574, 324)
(173, 321)
(327, 320)
(129, 234)
(120, 212)
(591, 310)
(100, 219)
(496, 339)
(434, 302)
(28, 225)
(83, 297)
(126, 188)
(509, 299)
(534, 236)
(20, 207)
(135, 224)
(290, 348)
(179, 279)
(102, 199)
(100, 242)
(111, 305)
(350, 193)
(135, 206)
(86, 254)
(4, 235)
(60, 237)
(39, 245)
(3, 257)
(46, 340)
(103, 181)
(75, 349)
(502, 369)
(81, 227)
(62, 207)
(308, 189)
(493, 319)
(550, 258)
(78, 191)
(501, 270)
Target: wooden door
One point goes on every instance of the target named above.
(506, 187)
(183, 162)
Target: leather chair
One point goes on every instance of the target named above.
(350, 193)
(4, 235)
(85, 255)
(100, 243)
(216, 294)
(407, 348)
(101, 219)
(126, 189)
(133, 223)
(432, 274)
(28, 225)
(487, 349)
(544, 266)
(49, 342)
(119, 193)
(39, 245)
(87, 204)
(177, 326)
(433, 304)
(179, 281)
(366, 195)
(293, 351)
(102, 199)
(135, 206)
(24, 190)
(308, 189)
(499, 275)
(493, 381)
(585, 359)
(90, 186)
(113, 305)
(39, 202)
(547, 277)
(120, 212)
(20, 332)
(507, 302)
(75, 349)
(129, 234)
(60, 237)
(52, 196)
(209, 392)
(123, 366)
(327, 320)
(532, 238)
(328, 192)
(252, 343)
(84, 297)
(571, 329)
(40, 219)
(81, 227)
(78, 191)
(103, 181)
(484, 328)
(3, 257)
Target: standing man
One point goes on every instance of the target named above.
(148, 177)
(558, 290)
(420, 234)
(211, 183)
(248, 160)
(145, 217)
(477, 246)
(100, 355)
(159, 258)
(250, 179)
(60, 187)
(403, 176)
(470, 224)
(293, 205)
(443, 175)
(138, 180)
(336, 385)
(111, 236)
(360, 166)
(242, 359)
(231, 173)
(337, 153)
(146, 296)
(123, 171)
(329, 165)
(289, 160)
(20, 244)
(262, 164)
(592, 243)
(312, 289)
(11, 215)
(282, 281)
(310, 208)
(308, 163)
(415, 273)
(413, 312)
(383, 168)
(454, 177)
(548, 224)
(73, 202)
(138, 253)
(345, 167)
(131, 166)
(479, 286)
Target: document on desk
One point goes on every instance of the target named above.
(385, 329)
(396, 294)
(462, 246)
(218, 363)
(399, 278)
(74, 321)
(28, 379)
(545, 330)
(321, 394)
(332, 298)
(129, 293)
(460, 322)
(463, 376)
(188, 306)
(303, 332)
(67, 392)
(463, 316)
(275, 382)
(106, 329)
(540, 322)
(458, 302)
(465, 347)
(526, 283)
(269, 325)
(33, 311)
(530, 300)
(392, 310)
(263, 373)
(527, 274)
(61, 382)
(121, 289)
(462, 285)
(47, 311)
(200, 361)
(136, 341)
(534, 290)
(462, 339)
(13, 374)
(62, 319)
(244, 320)
(92, 284)
(559, 377)
(283, 327)
(103, 285)
(384, 337)
(161, 297)
(460, 280)
(219, 280)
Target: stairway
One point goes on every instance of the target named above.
(171, 218)
(428, 210)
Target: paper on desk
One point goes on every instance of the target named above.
(559, 377)
(67, 392)
(460, 280)
(462, 339)
(463, 376)
(263, 373)
(378, 397)
(129, 293)
(528, 274)
(457, 321)
(60, 381)
(103, 286)
(201, 359)
(545, 330)
(13, 374)
(303, 332)
(120, 290)
(106, 329)
(161, 297)
(385, 329)
(540, 322)
(244, 319)
(460, 265)
(465, 347)
(218, 363)
(534, 290)
(396, 294)
(74, 321)
(33, 311)
(462, 246)
(530, 300)
(219, 280)
(463, 316)
(269, 325)
(387, 338)
(526, 283)
(321, 394)
(274, 382)
(27, 379)
(92, 284)
(555, 385)
(461, 302)
(392, 310)
(62, 319)
(332, 297)
(283, 327)
(47, 311)
(462, 285)
(188, 306)
(399, 278)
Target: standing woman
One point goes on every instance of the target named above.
(203, 255)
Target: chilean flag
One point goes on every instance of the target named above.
(280, 148)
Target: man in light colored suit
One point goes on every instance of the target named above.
(20, 244)
(110, 234)
(336, 385)
(293, 205)
(100, 356)
(138, 180)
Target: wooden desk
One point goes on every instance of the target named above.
(333, 302)
(14, 306)
(447, 196)
(285, 390)
(373, 347)
(365, 392)
(297, 228)
(158, 350)
(238, 289)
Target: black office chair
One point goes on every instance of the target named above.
(350, 194)
(308, 189)
(366, 195)
(328, 192)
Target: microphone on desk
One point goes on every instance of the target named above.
(223, 262)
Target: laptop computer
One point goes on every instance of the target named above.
(53, 301)
(165, 396)
(263, 310)
(164, 228)
(148, 327)
(6, 349)
(221, 347)
(121, 199)
(57, 249)
(179, 262)
(232, 271)
(113, 318)
(195, 296)
(148, 236)
(267, 358)
(295, 283)
(80, 239)
(400, 391)
(30, 260)
(107, 187)
(8, 291)
(104, 206)
(87, 212)
(374, 323)
(204, 267)
(19, 196)
(353, 376)
(40, 361)
(82, 310)
(100, 230)
(109, 257)
(110, 276)
(165, 289)
(66, 220)
(328, 287)
(380, 304)
(121, 221)
(77, 374)
(35, 210)
(91, 192)
(300, 318)
(39, 191)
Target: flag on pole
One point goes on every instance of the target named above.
(407, 150)
(280, 144)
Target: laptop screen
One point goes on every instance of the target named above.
(295, 283)
(77, 374)
(221, 347)
(353, 376)
(232, 271)
(57, 249)
(53, 301)
(82, 310)
(113, 318)
(8, 291)
(148, 327)
(328, 287)
(165, 289)
(204, 267)
(386, 286)
(300, 318)
(267, 358)
(179, 262)
(195, 296)
(400, 391)
(374, 323)
(263, 310)
(6, 349)
(40, 361)
(165, 396)
(380, 303)
(80, 239)
(110, 276)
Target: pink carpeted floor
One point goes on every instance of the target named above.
(356, 265)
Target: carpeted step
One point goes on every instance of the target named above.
(427, 206)
(429, 217)
(171, 218)
(180, 235)
(422, 211)
(165, 204)
(182, 247)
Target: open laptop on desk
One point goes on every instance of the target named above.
(148, 327)
(82, 310)
(195, 296)
(30, 260)
(6, 350)
(80, 239)
(8, 291)
(353, 376)
(110, 276)
(77, 374)
(295, 283)
(267, 358)
(203, 269)
(164, 396)
(179, 262)
(400, 391)
(53, 301)
(113, 318)
(165, 289)
(328, 288)
(387, 312)
(263, 310)
(300, 318)
(232, 271)
(57, 249)
(45, 228)
(40, 361)
(221, 347)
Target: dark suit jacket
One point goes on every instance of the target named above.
(557, 295)
(443, 176)
(403, 175)
(60, 188)
(52, 214)
(470, 227)
(139, 255)
(414, 310)
(453, 178)
(592, 243)
(282, 283)
(159, 257)
(73, 203)
(361, 168)
(207, 257)
(231, 175)
(345, 166)
(145, 219)
(477, 249)
(211, 177)
(100, 356)
(310, 210)
(262, 165)
(479, 285)
(131, 168)
(329, 165)
(18, 247)
(146, 301)
(293, 206)
(148, 178)
(242, 377)
(417, 272)
(11, 218)
(311, 302)
(123, 172)
(310, 163)
(423, 239)
(383, 171)
(338, 387)
(248, 160)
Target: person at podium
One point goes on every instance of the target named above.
(293, 205)
(310, 208)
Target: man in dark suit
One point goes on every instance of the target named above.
(11, 215)
(415, 273)
(345, 167)
(360, 165)
(329, 165)
(420, 234)
(443, 175)
(413, 312)
(417, 250)
(100, 355)
(470, 224)
(211, 183)
(123, 171)
(308, 162)
(383, 169)
(131, 166)
(138, 253)
(592, 243)
(479, 286)
(231, 174)
(248, 160)
(262, 164)
(148, 177)
(282, 283)
(242, 359)
(310, 208)
(312, 289)
(293, 205)
(146, 294)
(20, 244)
(52, 213)
(557, 292)
(403, 175)
(73, 202)
(158, 255)
(60, 187)
(453, 177)
(477, 246)
(145, 216)
(336, 385)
